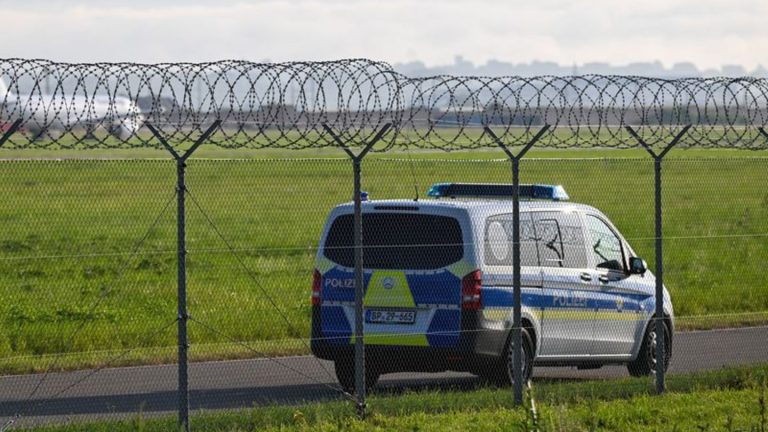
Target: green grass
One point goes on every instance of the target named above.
(69, 228)
(213, 152)
(724, 400)
(727, 140)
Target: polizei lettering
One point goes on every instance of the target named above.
(339, 283)
(569, 300)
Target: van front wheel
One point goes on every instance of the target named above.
(645, 363)
(345, 373)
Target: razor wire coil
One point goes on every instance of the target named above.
(286, 105)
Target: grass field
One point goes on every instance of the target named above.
(71, 227)
(727, 400)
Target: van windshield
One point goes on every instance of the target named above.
(397, 241)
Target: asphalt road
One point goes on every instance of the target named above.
(121, 392)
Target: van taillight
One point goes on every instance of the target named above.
(317, 281)
(470, 291)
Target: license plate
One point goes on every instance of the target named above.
(390, 316)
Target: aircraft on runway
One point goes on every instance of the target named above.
(59, 112)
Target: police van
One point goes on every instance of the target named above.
(439, 291)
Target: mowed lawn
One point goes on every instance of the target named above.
(88, 263)
(724, 400)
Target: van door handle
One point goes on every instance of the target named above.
(586, 277)
(604, 279)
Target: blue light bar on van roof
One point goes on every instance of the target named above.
(497, 190)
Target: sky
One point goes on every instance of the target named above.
(707, 33)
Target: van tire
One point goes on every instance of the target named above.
(645, 363)
(345, 373)
(502, 374)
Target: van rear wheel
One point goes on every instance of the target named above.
(503, 374)
(345, 373)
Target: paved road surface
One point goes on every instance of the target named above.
(234, 384)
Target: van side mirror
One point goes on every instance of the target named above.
(612, 265)
(637, 266)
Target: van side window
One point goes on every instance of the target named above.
(606, 246)
(498, 241)
(560, 240)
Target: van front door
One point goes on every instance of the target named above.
(619, 317)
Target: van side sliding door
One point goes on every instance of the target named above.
(567, 285)
(498, 287)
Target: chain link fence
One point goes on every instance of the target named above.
(89, 269)
(295, 234)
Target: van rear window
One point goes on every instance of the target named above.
(397, 241)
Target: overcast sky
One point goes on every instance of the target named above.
(708, 33)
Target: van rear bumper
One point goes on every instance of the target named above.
(476, 349)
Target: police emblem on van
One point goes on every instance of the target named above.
(388, 283)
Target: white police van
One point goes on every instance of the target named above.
(438, 278)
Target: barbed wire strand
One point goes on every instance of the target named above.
(313, 248)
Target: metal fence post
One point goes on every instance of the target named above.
(659, 232)
(183, 316)
(517, 334)
(359, 277)
(360, 389)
